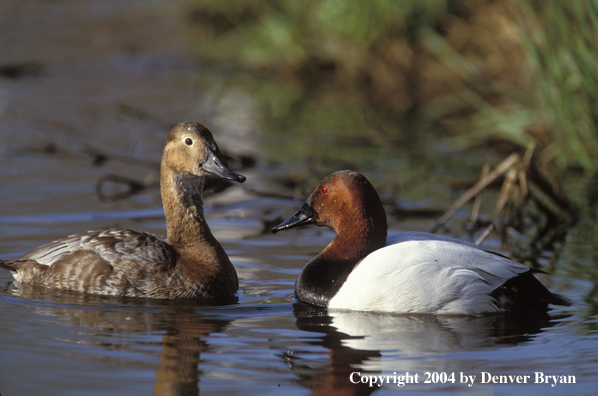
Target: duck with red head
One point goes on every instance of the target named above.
(409, 272)
(189, 263)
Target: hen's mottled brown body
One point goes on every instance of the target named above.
(189, 263)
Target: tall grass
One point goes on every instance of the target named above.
(467, 70)
(561, 43)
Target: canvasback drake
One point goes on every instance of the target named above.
(411, 272)
(188, 263)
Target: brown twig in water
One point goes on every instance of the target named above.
(476, 189)
(477, 202)
(485, 234)
(517, 172)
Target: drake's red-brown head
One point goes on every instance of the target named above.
(346, 202)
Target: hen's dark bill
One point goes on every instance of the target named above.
(216, 165)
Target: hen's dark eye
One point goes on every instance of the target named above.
(189, 141)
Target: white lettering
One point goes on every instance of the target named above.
(356, 377)
(486, 377)
(505, 379)
(373, 380)
(541, 378)
(466, 379)
(570, 379)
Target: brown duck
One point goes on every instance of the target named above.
(189, 263)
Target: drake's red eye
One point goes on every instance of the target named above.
(324, 190)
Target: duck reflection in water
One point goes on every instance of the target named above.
(392, 344)
(183, 343)
(109, 322)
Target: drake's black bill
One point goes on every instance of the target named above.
(303, 216)
(216, 165)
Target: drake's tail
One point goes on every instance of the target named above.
(525, 292)
(556, 299)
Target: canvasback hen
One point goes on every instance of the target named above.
(188, 263)
(410, 272)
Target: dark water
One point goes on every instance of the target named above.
(90, 88)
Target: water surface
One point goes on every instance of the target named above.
(97, 87)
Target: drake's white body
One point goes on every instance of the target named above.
(426, 273)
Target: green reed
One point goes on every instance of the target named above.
(383, 71)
